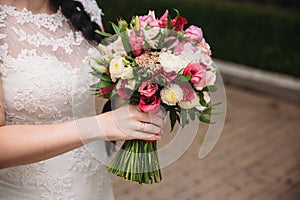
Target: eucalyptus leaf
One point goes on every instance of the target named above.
(192, 114)
(212, 88)
(184, 119)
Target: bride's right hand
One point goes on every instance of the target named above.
(128, 122)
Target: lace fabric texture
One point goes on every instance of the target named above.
(44, 67)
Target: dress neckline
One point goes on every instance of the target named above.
(26, 11)
(51, 21)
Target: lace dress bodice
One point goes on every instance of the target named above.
(44, 68)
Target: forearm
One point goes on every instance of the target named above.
(24, 144)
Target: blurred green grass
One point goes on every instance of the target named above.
(258, 36)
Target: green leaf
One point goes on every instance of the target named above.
(215, 104)
(192, 114)
(204, 119)
(122, 25)
(102, 77)
(125, 42)
(182, 79)
(103, 33)
(116, 28)
(207, 110)
(125, 102)
(172, 118)
(177, 12)
(202, 101)
(212, 88)
(100, 61)
(102, 84)
(216, 113)
(169, 43)
(184, 119)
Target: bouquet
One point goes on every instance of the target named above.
(153, 62)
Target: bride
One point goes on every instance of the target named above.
(48, 126)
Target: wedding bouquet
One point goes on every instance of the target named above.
(154, 63)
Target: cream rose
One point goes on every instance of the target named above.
(116, 68)
(171, 95)
(127, 73)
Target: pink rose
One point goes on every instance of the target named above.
(193, 33)
(106, 90)
(163, 21)
(161, 73)
(188, 92)
(196, 71)
(148, 89)
(205, 47)
(179, 49)
(209, 78)
(150, 104)
(178, 23)
(148, 20)
(136, 43)
(121, 90)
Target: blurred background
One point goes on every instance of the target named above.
(259, 33)
(256, 44)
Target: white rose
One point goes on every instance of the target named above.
(206, 59)
(191, 53)
(127, 73)
(206, 97)
(171, 62)
(171, 95)
(116, 68)
(190, 104)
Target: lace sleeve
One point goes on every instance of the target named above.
(93, 9)
(3, 48)
(2, 17)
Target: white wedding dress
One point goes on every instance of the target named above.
(44, 67)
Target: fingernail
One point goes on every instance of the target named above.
(158, 137)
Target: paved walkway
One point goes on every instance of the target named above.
(256, 158)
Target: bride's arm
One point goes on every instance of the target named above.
(25, 144)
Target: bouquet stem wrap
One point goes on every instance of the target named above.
(137, 161)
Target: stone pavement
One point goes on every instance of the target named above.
(256, 158)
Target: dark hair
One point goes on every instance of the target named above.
(80, 19)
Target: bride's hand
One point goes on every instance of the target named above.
(128, 122)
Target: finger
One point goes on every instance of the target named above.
(157, 120)
(137, 115)
(150, 128)
(145, 136)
